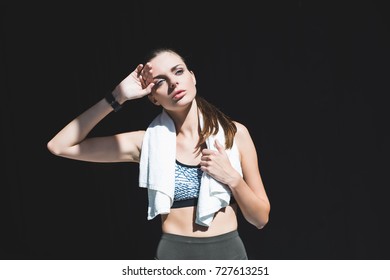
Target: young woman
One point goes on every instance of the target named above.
(198, 165)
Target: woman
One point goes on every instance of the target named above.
(212, 172)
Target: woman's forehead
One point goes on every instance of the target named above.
(166, 60)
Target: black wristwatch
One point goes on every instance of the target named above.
(111, 100)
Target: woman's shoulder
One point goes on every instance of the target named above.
(242, 137)
(131, 138)
(242, 130)
(135, 133)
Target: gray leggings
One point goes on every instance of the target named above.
(227, 246)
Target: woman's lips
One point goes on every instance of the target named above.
(179, 94)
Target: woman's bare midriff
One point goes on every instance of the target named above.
(181, 221)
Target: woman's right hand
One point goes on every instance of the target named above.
(136, 85)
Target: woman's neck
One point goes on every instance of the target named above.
(186, 121)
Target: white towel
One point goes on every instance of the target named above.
(157, 171)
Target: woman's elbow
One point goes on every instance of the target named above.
(53, 148)
(262, 223)
(263, 219)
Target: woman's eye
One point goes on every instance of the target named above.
(179, 72)
(159, 82)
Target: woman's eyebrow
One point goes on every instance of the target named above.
(172, 69)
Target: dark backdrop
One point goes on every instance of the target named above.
(308, 79)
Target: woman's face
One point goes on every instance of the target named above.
(174, 83)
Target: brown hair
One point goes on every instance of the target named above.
(211, 114)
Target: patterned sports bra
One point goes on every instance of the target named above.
(187, 184)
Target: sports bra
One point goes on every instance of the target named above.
(187, 185)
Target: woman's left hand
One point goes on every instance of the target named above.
(216, 163)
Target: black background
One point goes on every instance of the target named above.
(308, 78)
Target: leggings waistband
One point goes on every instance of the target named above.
(203, 240)
(226, 246)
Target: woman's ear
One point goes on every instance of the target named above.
(153, 100)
